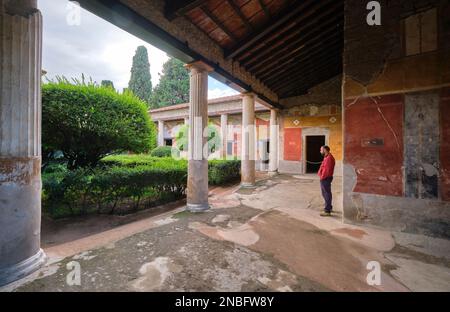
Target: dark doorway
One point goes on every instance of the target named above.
(168, 142)
(313, 156)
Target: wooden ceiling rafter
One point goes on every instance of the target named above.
(309, 31)
(219, 24)
(239, 13)
(294, 29)
(311, 64)
(309, 52)
(289, 46)
(277, 21)
(269, 67)
(303, 76)
(176, 8)
(265, 9)
(295, 91)
(307, 80)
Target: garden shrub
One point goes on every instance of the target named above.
(87, 122)
(162, 151)
(222, 172)
(143, 159)
(213, 137)
(123, 184)
(103, 190)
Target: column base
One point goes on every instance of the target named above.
(197, 207)
(248, 185)
(22, 269)
(273, 173)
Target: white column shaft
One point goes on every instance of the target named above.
(20, 139)
(248, 140)
(273, 145)
(197, 193)
(224, 134)
(160, 133)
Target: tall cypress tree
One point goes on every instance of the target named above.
(173, 87)
(141, 80)
(108, 84)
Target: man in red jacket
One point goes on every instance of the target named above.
(326, 173)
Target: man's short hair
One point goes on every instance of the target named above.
(327, 148)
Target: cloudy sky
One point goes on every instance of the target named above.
(97, 48)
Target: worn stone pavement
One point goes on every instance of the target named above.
(269, 238)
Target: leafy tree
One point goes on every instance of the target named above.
(141, 80)
(214, 138)
(108, 84)
(173, 87)
(87, 122)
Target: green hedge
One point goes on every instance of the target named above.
(222, 172)
(111, 190)
(143, 159)
(162, 151)
(123, 184)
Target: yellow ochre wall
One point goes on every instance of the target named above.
(321, 122)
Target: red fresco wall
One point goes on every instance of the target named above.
(445, 144)
(378, 168)
(293, 144)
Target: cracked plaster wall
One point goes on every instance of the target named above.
(379, 82)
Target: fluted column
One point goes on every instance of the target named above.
(197, 192)
(224, 134)
(273, 145)
(248, 155)
(160, 133)
(20, 139)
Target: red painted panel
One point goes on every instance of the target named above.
(293, 144)
(378, 168)
(445, 144)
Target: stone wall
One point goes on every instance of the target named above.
(395, 89)
(316, 113)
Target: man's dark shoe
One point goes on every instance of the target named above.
(325, 214)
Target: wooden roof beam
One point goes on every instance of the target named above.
(175, 8)
(219, 24)
(239, 13)
(313, 66)
(303, 46)
(264, 8)
(322, 47)
(273, 24)
(306, 75)
(308, 22)
(331, 22)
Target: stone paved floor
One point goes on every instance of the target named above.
(265, 239)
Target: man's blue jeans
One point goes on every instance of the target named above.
(325, 185)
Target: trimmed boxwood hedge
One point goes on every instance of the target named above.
(123, 184)
(162, 151)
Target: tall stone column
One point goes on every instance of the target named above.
(197, 192)
(273, 145)
(20, 139)
(248, 155)
(160, 132)
(224, 134)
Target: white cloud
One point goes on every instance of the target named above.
(97, 49)
(218, 93)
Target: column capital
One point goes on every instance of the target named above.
(20, 7)
(248, 93)
(199, 66)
